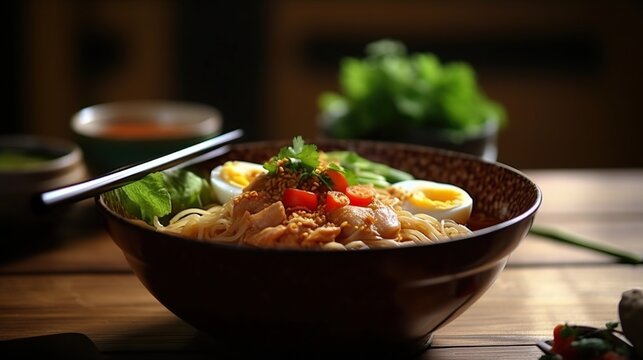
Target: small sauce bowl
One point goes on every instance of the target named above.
(116, 134)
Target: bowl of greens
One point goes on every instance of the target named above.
(391, 95)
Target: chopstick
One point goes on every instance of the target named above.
(119, 177)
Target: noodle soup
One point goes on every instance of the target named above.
(310, 199)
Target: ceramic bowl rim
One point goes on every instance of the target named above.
(85, 122)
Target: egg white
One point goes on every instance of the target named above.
(225, 190)
(458, 210)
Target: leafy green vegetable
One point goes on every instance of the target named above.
(160, 194)
(142, 199)
(391, 92)
(298, 157)
(187, 190)
(364, 171)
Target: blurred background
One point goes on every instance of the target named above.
(568, 73)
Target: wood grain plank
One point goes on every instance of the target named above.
(77, 243)
(451, 353)
(604, 206)
(621, 233)
(476, 352)
(589, 192)
(525, 304)
(94, 252)
(118, 314)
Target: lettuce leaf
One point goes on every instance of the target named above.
(160, 194)
(187, 190)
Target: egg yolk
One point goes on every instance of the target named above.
(436, 198)
(235, 175)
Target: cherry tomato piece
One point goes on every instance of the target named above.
(360, 195)
(562, 344)
(338, 179)
(297, 198)
(336, 200)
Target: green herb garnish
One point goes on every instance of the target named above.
(298, 157)
(301, 158)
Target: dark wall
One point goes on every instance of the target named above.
(11, 69)
(69, 54)
(220, 58)
(568, 72)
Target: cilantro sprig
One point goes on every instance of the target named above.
(301, 158)
(298, 157)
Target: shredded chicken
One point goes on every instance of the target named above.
(377, 221)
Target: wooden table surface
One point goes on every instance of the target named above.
(80, 283)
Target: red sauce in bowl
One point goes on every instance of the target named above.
(146, 130)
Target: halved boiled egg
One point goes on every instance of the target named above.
(442, 201)
(229, 179)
